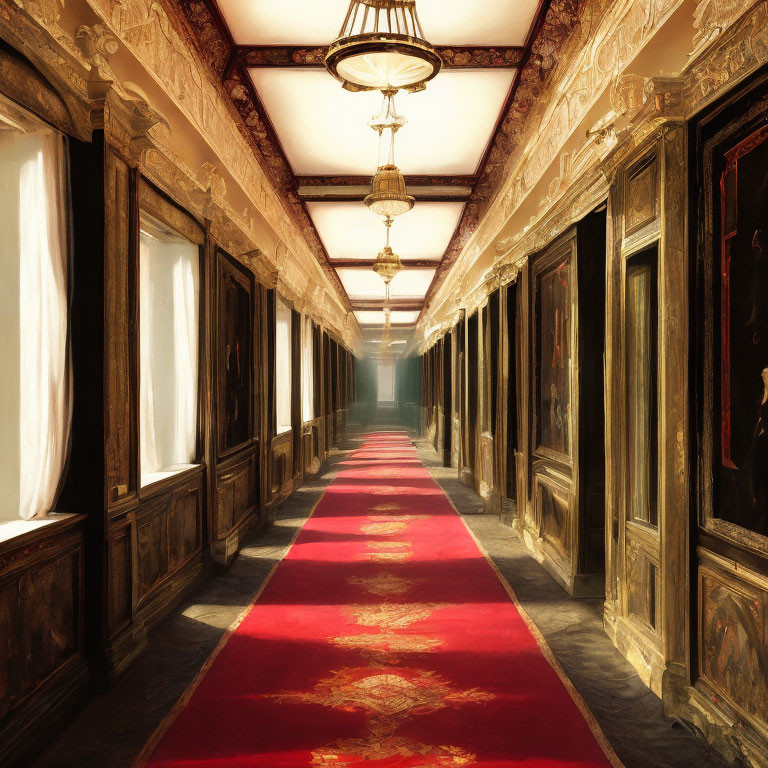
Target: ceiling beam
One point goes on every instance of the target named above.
(368, 263)
(411, 180)
(454, 57)
(450, 189)
(396, 305)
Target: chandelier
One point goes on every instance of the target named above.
(388, 196)
(386, 339)
(387, 263)
(381, 45)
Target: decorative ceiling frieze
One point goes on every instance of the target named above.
(214, 44)
(560, 21)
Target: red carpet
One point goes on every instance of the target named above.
(384, 639)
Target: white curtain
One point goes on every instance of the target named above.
(169, 300)
(307, 371)
(283, 384)
(35, 374)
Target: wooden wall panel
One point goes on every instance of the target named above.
(43, 674)
(119, 329)
(119, 560)
(733, 639)
(169, 534)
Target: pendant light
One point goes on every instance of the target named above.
(387, 263)
(381, 45)
(389, 196)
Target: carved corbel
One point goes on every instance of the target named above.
(214, 187)
(97, 44)
(667, 96)
(628, 95)
(508, 273)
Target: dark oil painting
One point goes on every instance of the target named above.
(553, 352)
(741, 473)
(234, 361)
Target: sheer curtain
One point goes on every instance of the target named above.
(283, 388)
(35, 374)
(169, 300)
(307, 371)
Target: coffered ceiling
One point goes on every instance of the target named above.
(314, 139)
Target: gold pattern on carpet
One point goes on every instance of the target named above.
(385, 694)
(387, 528)
(387, 647)
(384, 584)
(392, 615)
(356, 753)
(381, 508)
(388, 545)
(389, 557)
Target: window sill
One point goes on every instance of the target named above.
(14, 533)
(156, 477)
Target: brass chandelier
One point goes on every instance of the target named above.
(388, 196)
(381, 45)
(387, 263)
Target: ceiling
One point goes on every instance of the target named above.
(314, 135)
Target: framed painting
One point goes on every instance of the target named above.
(554, 308)
(731, 322)
(234, 355)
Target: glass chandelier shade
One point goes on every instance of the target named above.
(389, 196)
(381, 45)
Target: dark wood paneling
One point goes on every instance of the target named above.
(41, 634)
(119, 330)
(119, 604)
(168, 534)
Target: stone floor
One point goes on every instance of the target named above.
(113, 727)
(629, 714)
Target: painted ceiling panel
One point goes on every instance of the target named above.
(324, 129)
(411, 283)
(316, 22)
(350, 231)
(372, 317)
(361, 283)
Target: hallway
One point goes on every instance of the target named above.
(449, 672)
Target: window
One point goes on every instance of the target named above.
(169, 332)
(307, 370)
(386, 381)
(641, 387)
(283, 382)
(35, 375)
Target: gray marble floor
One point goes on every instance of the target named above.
(629, 714)
(113, 727)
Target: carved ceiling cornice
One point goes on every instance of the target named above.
(211, 38)
(549, 46)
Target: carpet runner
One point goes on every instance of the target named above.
(384, 639)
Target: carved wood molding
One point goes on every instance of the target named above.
(453, 57)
